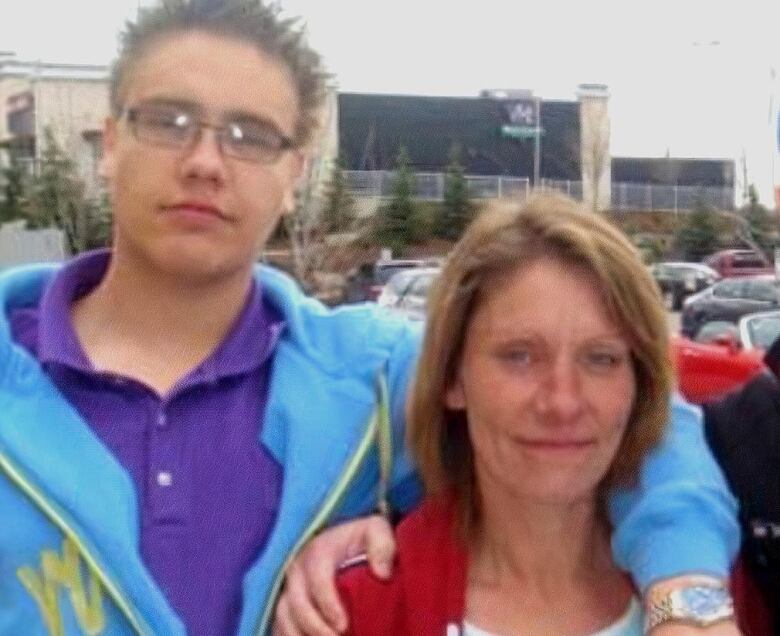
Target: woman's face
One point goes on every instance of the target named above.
(547, 383)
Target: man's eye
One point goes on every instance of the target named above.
(167, 119)
(254, 136)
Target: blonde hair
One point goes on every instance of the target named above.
(504, 238)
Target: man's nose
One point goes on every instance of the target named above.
(204, 159)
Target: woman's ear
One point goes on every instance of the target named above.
(454, 396)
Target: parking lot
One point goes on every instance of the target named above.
(673, 319)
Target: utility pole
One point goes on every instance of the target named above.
(537, 141)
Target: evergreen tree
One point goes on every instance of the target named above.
(13, 202)
(339, 211)
(457, 209)
(57, 199)
(699, 234)
(759, 222)
(396, 219)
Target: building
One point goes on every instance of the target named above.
(70, 100)
(497, 135)
(493, 132)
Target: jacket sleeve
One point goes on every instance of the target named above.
(405, 488)
(680, 518)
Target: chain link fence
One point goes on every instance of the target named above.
(429, 186)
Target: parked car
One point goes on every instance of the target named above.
(407, 292)
(706, 371)
(724, 355)
(753, 331)
(728, 300)
(677, 281)
(366, 281)
(733, 263)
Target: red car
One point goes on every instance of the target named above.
(725, 354)
(705, 371)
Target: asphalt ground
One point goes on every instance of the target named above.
(673, 319)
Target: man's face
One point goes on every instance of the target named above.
(195, 211)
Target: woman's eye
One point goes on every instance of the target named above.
(604, 359)
(517, 356)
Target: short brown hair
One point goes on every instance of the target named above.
(252, 21)
(504, 238)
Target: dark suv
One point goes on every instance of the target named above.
(729, 300)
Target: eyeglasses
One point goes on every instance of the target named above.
(178, 127)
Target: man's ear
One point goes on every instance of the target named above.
(107, 166)
(299, 170)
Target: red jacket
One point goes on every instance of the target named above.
(428, 588)
(427, 591)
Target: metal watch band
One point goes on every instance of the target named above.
(699, 605)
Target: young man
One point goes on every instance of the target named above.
(743, 432)
(177, 423)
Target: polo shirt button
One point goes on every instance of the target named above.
(164, 479)
(162, 421)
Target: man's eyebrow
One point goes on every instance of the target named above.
(245, 116)
(171, 101)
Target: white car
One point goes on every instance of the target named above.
(407, 291)
(753, 331)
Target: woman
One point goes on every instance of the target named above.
(544, 380)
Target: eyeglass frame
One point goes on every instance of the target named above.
(221, 131)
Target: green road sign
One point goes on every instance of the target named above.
(520, 132)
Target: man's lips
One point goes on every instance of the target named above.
(195, 209)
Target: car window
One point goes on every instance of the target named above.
(728, 289)
(748, 260)
(763, 330)
(383, 273)
(659, 271)
(421, 286)
(399, 281)
(760, 290)
(711, 330)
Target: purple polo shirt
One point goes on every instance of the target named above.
(207, 489)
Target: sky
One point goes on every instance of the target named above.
(690, 78)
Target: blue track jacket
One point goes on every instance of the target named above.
(69, 526)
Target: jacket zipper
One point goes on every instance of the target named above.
(15, 475)
(327, 508)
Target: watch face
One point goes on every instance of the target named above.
(703, 601)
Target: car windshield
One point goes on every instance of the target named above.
(711, 331)
(763, 330)
(385, 271)
(422, 285)
(399, 281)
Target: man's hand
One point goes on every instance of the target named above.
(309, 603)
(726, 628)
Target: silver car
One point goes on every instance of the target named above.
(407, 292)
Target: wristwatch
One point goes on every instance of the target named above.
(698, 605)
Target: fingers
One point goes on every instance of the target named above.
(319, 567)
(310, 604)
(380, 546)
(284, 624)
(296, 614)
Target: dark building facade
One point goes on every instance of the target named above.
(670, 171)
(373, 127)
